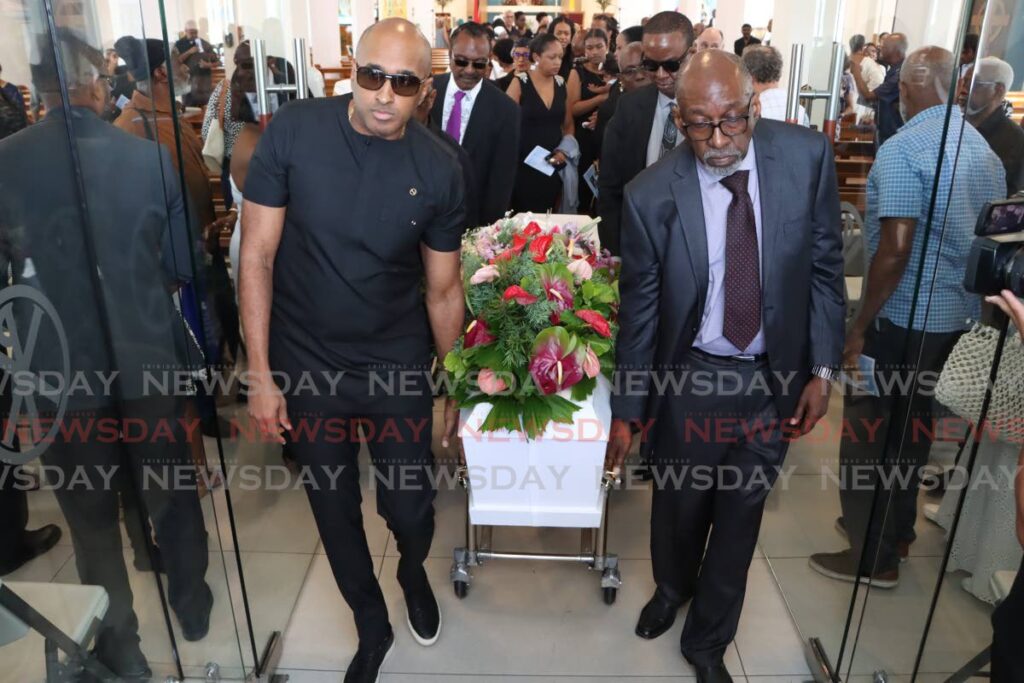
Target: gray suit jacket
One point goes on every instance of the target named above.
(665, 266)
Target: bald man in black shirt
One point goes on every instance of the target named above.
(350, 207)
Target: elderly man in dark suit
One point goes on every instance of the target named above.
(641, 132)
(481, 118)
(732, 278)
(201, 59)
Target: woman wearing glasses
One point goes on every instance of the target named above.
(587, 92)
(545, 121)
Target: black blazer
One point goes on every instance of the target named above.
(623, 156)
(604, 115)
(664, 280)
(739, 46)
(492, 142)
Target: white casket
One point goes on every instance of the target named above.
(551, 481)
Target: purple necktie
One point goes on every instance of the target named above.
(454, 127)
(742, 266)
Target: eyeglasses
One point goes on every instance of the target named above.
(404, 85)
(522, 54)
(479, 64)
(669, 65)
(730, 127)
(631, 71)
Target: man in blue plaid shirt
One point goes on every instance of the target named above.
(918, 234)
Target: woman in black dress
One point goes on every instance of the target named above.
(587, 92)
(563, 29)
(546, 119)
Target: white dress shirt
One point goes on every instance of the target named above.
(773, 106)
(662, 112)
(715, 199)
(467, 104)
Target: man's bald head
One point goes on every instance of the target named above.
(397, 35)
(894, 48)
(925, 80)
(711, 72)
(710, 39)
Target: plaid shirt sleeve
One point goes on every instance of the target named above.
(902, 190)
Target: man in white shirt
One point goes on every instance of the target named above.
(765, 66)
(482, 119)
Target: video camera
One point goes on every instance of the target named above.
(996, 261)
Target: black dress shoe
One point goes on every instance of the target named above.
(196, 623)
(125, 660)
(423, 615)
(365, 666)
(656, 617)
(714, 673)
(34, 544)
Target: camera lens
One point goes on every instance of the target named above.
(1014, 272)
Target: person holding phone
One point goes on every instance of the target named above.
(1008, 619)
(545, 121)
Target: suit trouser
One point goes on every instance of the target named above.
(402, 461)
(713, 466)
(892, 435)
(92, 465)
(1008, 634)
(14, 513)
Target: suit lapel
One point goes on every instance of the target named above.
(441, 86)
(648, 108)
(475, 117)
(771, 178)
(689, 206)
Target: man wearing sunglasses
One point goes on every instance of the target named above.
(727, 273)
(351, 231)
(477, 115)
(642, 132)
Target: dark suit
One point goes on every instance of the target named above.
(740, 45)
(664, 286)
(623, 156)
(202, 78)
(604, 116)
(492, 141)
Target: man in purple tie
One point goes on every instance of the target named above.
(731, 329)
(477, 115)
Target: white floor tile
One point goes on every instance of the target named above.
(517, 678)
(321, 634)
(537, 619)
(43, 568)
(768, 641)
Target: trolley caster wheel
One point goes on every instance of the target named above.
(461, 589)
(609, 595)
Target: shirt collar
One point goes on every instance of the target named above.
(936, 112)
(664, 101)
(708, 180)
(470, 94)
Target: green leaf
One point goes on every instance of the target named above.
(454, 364)
(504, 415)
(584, 388)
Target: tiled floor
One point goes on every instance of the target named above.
(529, 621)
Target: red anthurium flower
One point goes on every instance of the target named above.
(555, 364)
(539, 248)
(558, 290)
(596, 321)
(519, 295)
(532, 230)
(519, 243)
(478, 334)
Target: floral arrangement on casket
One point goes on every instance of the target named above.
(542, 306)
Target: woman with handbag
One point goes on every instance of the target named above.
(220, 127)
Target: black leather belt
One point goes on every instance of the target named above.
(739, 358)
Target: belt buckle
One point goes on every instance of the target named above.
(745, 357)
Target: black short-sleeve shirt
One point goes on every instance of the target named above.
(348, 274)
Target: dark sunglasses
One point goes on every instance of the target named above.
(669, 65)
(479, 64)
(404, 85)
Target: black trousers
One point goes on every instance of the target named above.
(891, 435)
(717, 455)
(14, 513)
(96, 466)
(1008, 635)
(399, 447)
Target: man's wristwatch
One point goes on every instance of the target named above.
(825, 372)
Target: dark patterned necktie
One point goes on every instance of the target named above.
(669, 132)
(742, 266)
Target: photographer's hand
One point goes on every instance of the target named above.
(1011, 306)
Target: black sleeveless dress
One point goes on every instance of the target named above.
(586, 138)
(542, 126)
